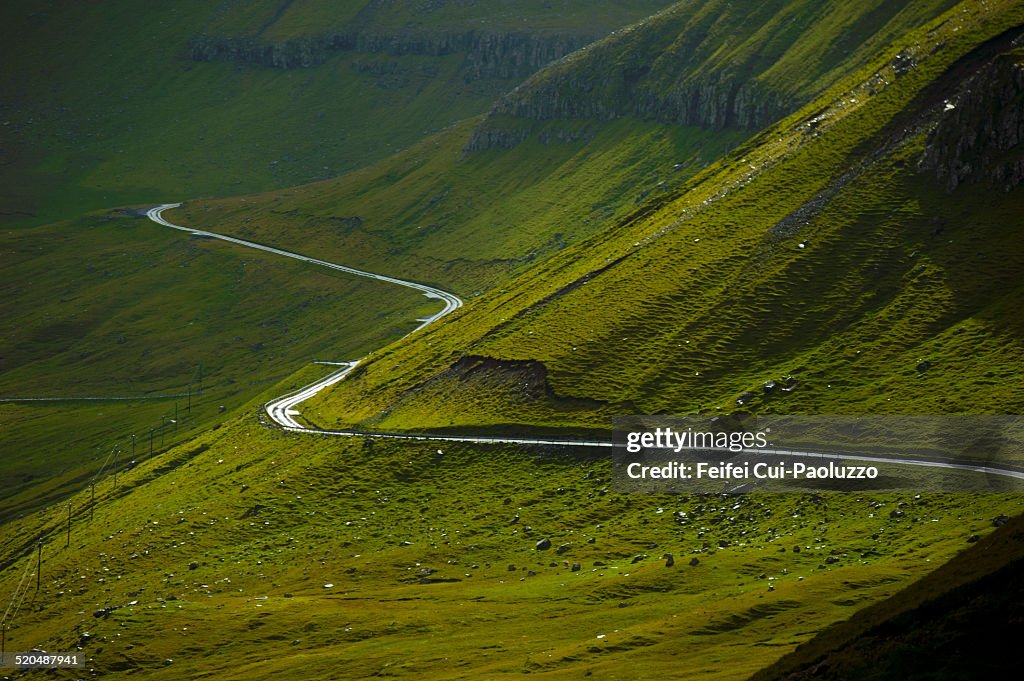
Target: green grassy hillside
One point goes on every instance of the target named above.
(492, 197)
(950, 624)
(469, 222)
(126, 101)
(863, 251)
(717, 63)
(298, 555)
(826, 251)
(112, 305)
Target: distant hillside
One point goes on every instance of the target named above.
(488, 199)
(717, 63)
(126, 101)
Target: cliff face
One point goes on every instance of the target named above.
(487, 55)
(713, 102)
(980, 134)
(717, 64)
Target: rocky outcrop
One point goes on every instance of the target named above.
(980, 133)
(704, 103)
(487, 55)
(707, 102)
(496, 137)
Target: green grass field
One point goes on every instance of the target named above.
(817, 255)
(105, 106)
(433, 570)
(610, 266)
(111, 305)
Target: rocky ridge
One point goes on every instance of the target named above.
(979, 135)
(487, 55)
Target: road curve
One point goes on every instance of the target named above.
(450, 300)
(282, 410)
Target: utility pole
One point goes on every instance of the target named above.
(188, 404)
(151, 442)
(133, 447)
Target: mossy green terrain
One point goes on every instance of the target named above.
(118, 103)
(863, 252)
(821, 250)
(117, 306)
(340, 558)
(471, 221)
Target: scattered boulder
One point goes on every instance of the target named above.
(543, 544)
(193, 565)
(563, 548)
(1000, 520)
(670, 560)
(831, 560)
(923, 366)
(575, 567)
(511, 568)
(769, 387)
(744, 398)
(973, 538)
(694, 562)
(637, 558)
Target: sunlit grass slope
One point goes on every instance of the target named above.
(111, 305)
(823, 255)
(470, 221)
(328, 558)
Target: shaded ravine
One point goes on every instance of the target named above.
(282, 410)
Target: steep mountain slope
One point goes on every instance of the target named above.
(690, 65)
(251, 554)
(827, 252)
(865, 245)
(490, 198)
(126, 101)
(951, 624)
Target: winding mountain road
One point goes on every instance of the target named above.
(282, 410)
(450, 300)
